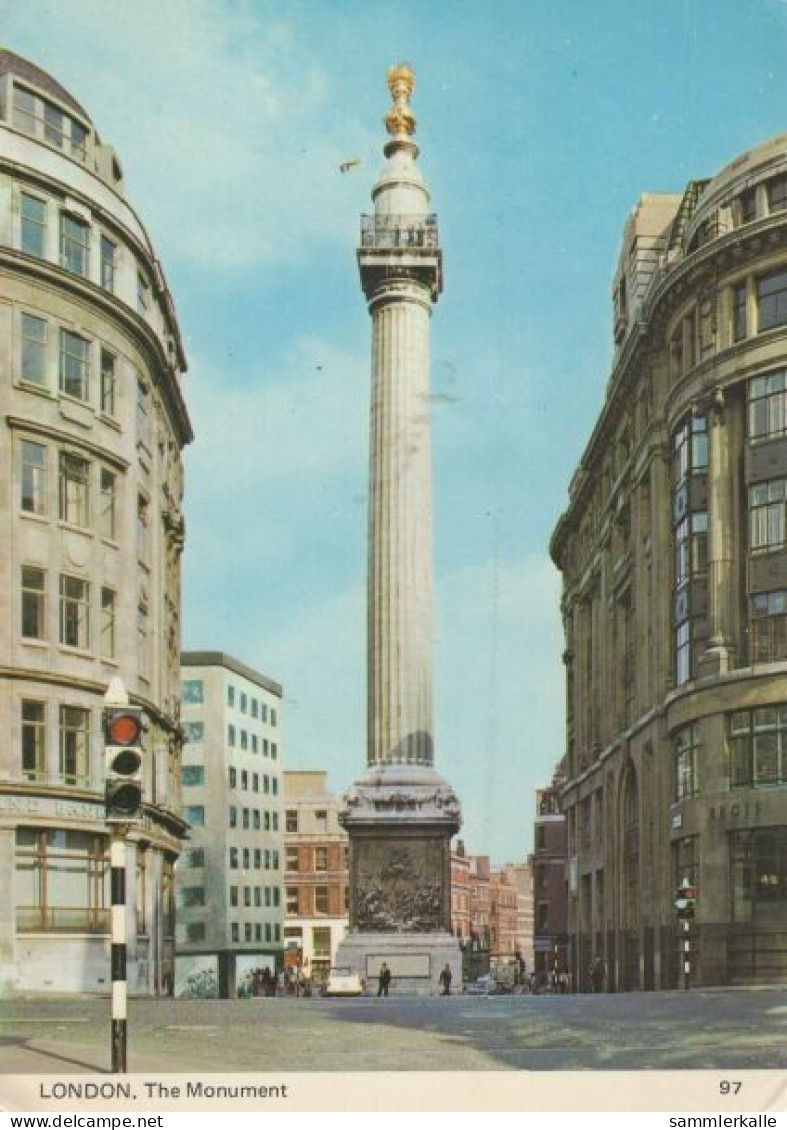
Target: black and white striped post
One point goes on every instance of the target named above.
(119, 988)
(123, 729)
(684, 906)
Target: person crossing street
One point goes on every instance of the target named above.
(383, 981)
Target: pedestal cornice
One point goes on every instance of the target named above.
(401, 795)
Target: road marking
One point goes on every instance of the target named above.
(192, 1028)
(44, 1020)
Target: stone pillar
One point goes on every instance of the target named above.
(7, 900)
(400, 529)
(718, 658)
(228, 985)
(400, 815)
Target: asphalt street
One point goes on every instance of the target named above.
(714, 1029)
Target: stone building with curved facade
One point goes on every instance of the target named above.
(673, 552)
(92, 423)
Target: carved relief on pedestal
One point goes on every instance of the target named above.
(399, 887)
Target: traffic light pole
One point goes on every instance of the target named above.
(123, 799)
(119, 986)
(684, 906)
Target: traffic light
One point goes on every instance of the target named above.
(685, 900)
(123, 730)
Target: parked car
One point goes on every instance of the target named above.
(487, 986)
(343, 982)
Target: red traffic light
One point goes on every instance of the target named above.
(123, 727)
(123, 730)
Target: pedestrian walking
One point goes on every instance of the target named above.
(445, 980)
(383, 980)
(597, 972)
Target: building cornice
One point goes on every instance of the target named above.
(738, 247)
(89, 686)
(86, 806)
(222, 659)
(95, 297)
(32, 174)
(70, 439)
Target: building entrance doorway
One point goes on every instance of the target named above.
(757, 940)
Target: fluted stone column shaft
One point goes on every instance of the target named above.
(400, 529)
(720, 534)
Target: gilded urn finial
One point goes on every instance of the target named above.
(400, 119)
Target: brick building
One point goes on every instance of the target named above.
(548, 864)
(315, 873)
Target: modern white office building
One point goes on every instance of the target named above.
(229, 880)
(92, 424)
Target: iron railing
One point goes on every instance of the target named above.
(399, 232)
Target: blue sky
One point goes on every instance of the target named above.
(540, 123)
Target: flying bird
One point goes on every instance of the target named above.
(347, 165)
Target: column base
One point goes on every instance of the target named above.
(717, 660)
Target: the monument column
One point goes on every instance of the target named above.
(400, 815)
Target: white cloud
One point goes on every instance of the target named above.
(229, 123)
(307, 418)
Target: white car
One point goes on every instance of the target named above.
(488, 986)
(343, 982)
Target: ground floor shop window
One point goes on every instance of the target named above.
(758, 876)
(321, 942)
(62, 881)
(757, 939)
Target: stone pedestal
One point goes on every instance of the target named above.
(400, 819)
